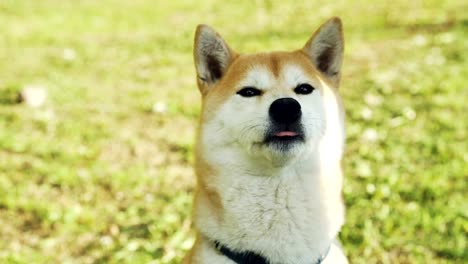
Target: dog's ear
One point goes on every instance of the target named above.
(325, 49)
(212, 57)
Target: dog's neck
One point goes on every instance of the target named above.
(245, 257)
(290, 214)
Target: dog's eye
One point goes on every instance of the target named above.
(249, 92)
(304, 88)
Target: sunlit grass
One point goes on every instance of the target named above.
(101, 173)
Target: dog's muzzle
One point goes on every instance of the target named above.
(285, 128)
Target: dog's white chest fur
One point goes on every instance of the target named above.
(276, 214)
(281, 214)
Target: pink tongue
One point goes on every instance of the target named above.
(286, 134)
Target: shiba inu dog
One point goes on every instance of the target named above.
(268, 152)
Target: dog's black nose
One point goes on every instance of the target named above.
(285, 110)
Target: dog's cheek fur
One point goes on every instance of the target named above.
(242, 122)
(314, 119)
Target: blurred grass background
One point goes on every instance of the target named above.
(101, 171)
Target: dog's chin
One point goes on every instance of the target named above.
(280, 150)
(284, 144)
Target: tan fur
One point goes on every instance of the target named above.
(209, 196)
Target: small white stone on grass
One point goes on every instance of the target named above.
(435, 57)
(366, 113)
(419, 40)
(370, 188)
(149, 198)
(412, 206)
(409, 113)
(69, 54)
(386, 191)
(133, 246)
(372, 100)
(385, 79)
(370, 135)
(106, 241)
(114, 230)
(396, 121)
(159, 107)
(363, 169)
(33, 96)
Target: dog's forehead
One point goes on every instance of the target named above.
(262, 77)
(267, 70)
(279, 71)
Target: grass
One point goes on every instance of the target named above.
(96, 176)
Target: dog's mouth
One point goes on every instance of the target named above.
(286, 134)
(284, 137)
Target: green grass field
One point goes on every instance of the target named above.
(95, 175)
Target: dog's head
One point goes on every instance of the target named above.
(269, 105)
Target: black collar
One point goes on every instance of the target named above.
(250, 257)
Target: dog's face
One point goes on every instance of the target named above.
(270, 105)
